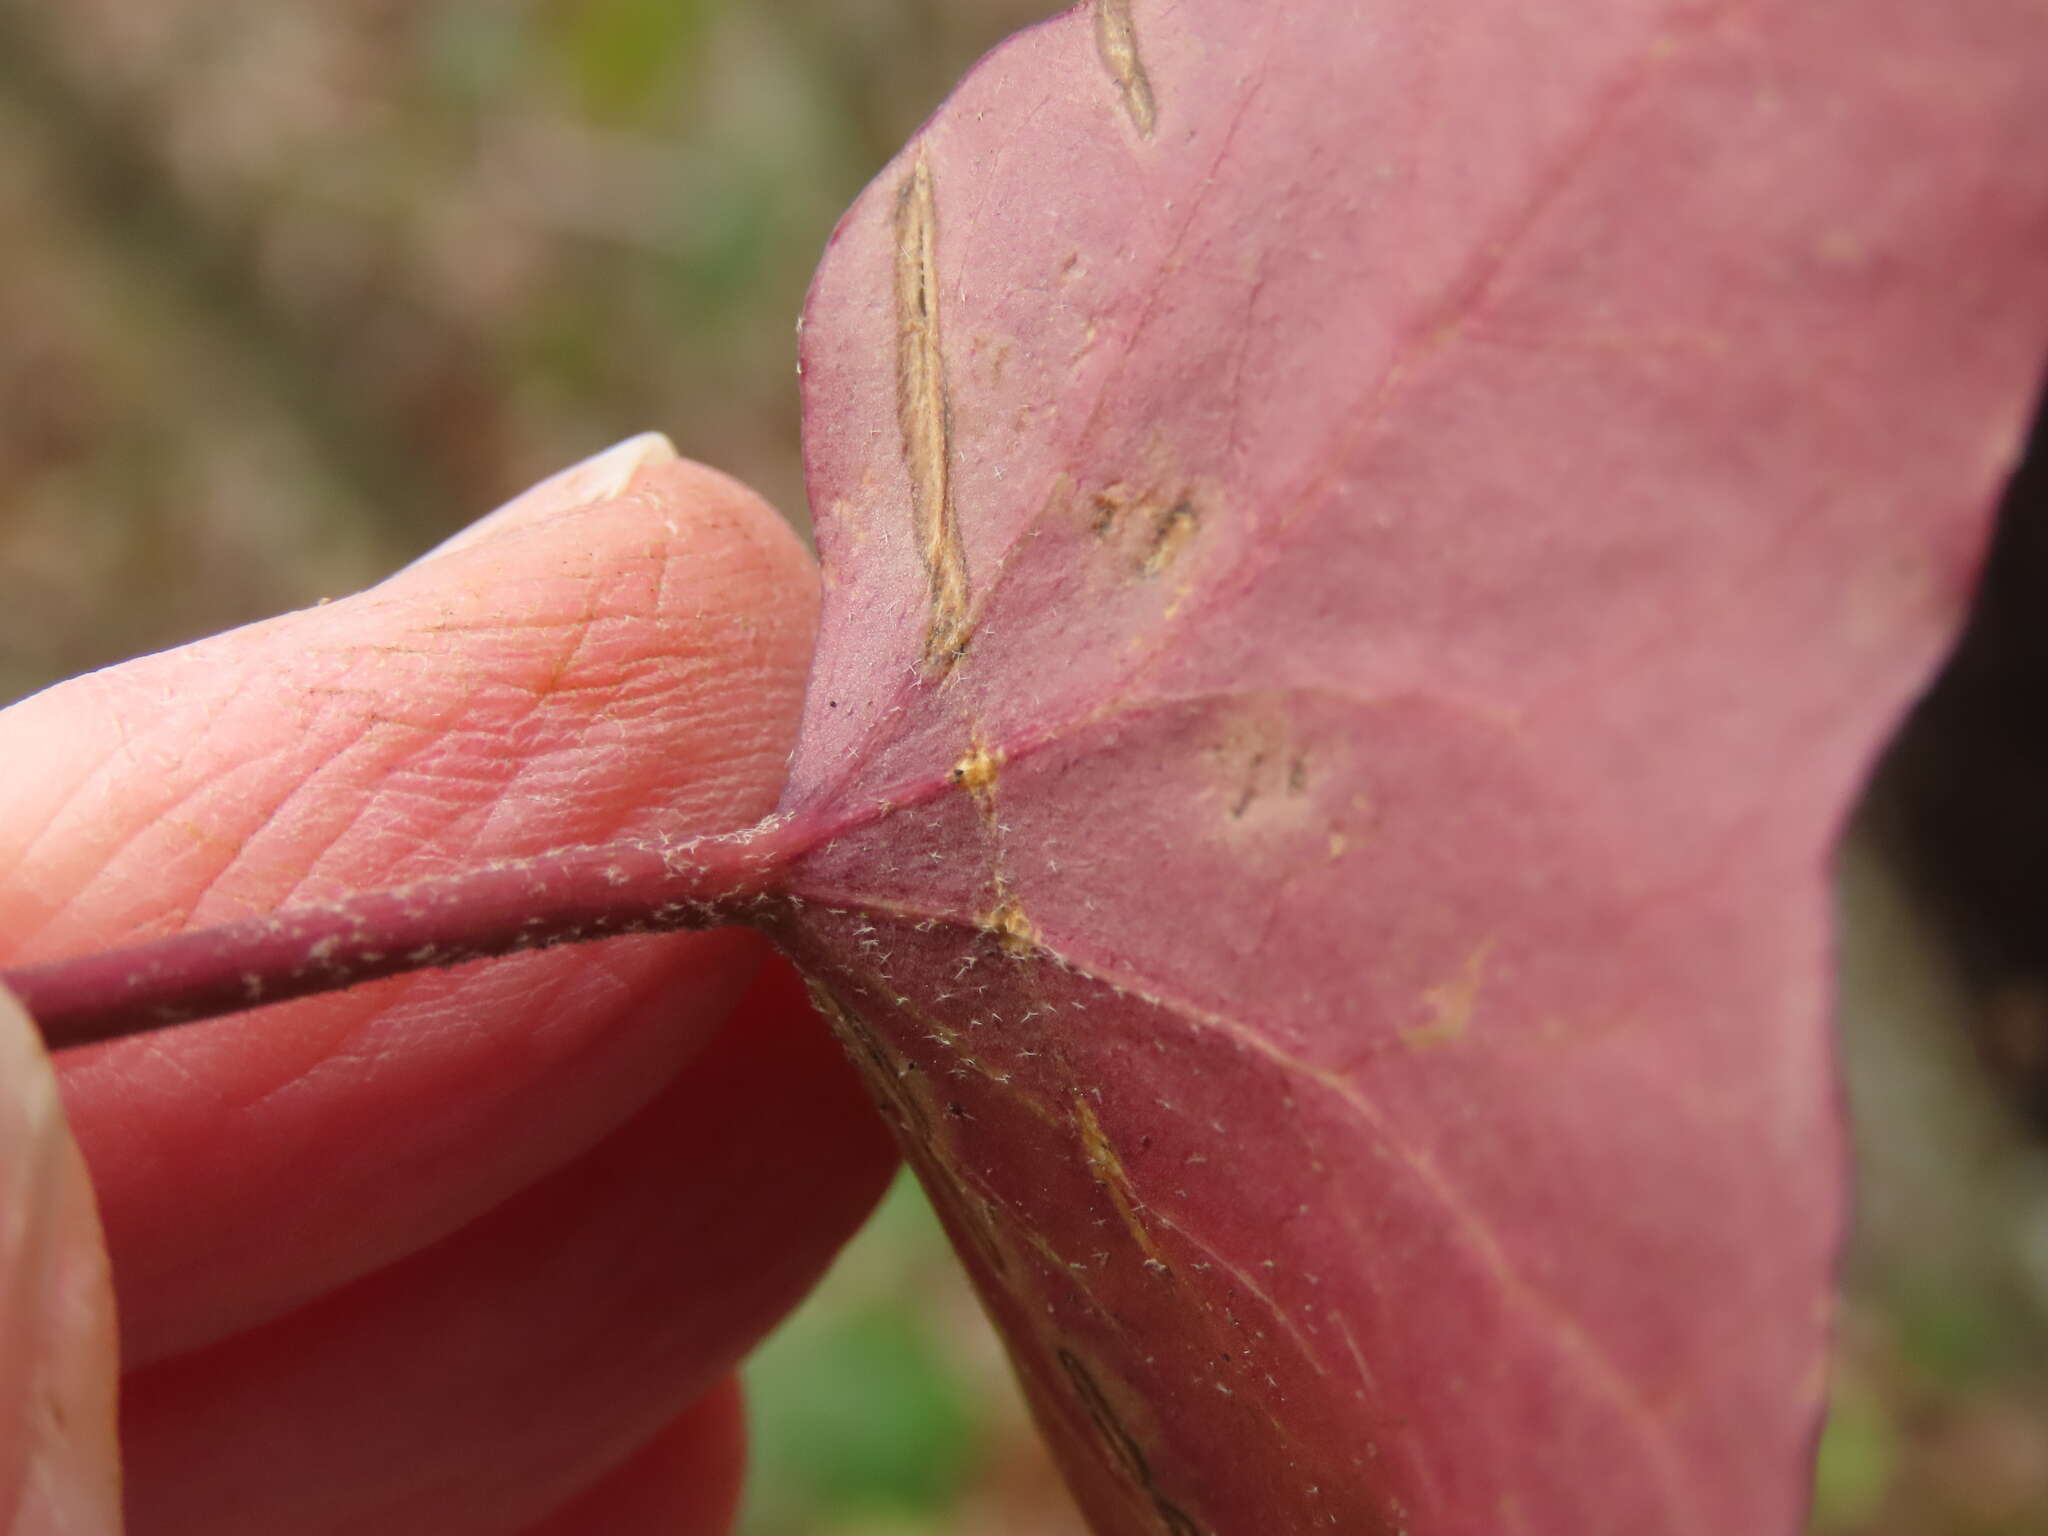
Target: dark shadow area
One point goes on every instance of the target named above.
(1962, 799)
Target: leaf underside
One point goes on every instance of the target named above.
(1368, 547)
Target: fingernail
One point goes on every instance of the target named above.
(600, 477)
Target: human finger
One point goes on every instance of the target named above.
(59, 1467)
(473, 1386)
(627, 668)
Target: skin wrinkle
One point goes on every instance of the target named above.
(112, 868)
(163, 1058)
(383, 784)
(20, 936)
(300, 790)
(537, 769)
(430, 1020)
(105, 684)
(431, 831)
(579, 633)
(662, 685)
(573, 644)
(619, 777)
(108, 866)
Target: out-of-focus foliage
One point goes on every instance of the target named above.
(290, 289)
(884, 1407)
(1940, 1417)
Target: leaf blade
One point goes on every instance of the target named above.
(1443, 537)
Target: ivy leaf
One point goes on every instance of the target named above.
(1368, 548)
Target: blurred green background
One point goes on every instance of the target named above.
(291, 290)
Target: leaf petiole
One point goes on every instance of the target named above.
(564, 896)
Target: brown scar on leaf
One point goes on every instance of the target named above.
(876, 1065)
(1158, 526)
(1250, 793)
(1109, 505)
(976, 1216)
(1107, 1169)
(1171, 530)
(1451, 1004)
(924, 412)
(1017, 934)
(1123, 1451)
(977, 770)
(1116, 39)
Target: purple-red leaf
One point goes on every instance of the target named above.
(1368, 546)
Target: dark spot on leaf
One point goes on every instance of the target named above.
(1250, 792)
(1124, 1451)
(1109, 508)
(1170, 531)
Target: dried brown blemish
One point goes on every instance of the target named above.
(1116, 39)
(993, 353)
(1123, 1451)
(1149, 529)
(977, 770)
(1451, 1004)
(924, 412)
(1248, 796)
(1108, 507)
(1171, 530)
(1015, 932)
(1107, 1170)
(876, 1066)
(988, 1232)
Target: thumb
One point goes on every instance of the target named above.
(60, 1471)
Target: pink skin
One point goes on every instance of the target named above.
(466, 1252)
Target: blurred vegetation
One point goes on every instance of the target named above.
(885, 1406)
(291, 290)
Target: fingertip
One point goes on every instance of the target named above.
(732, 585)
(603, 476)
(646, 473)
(782, 561)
